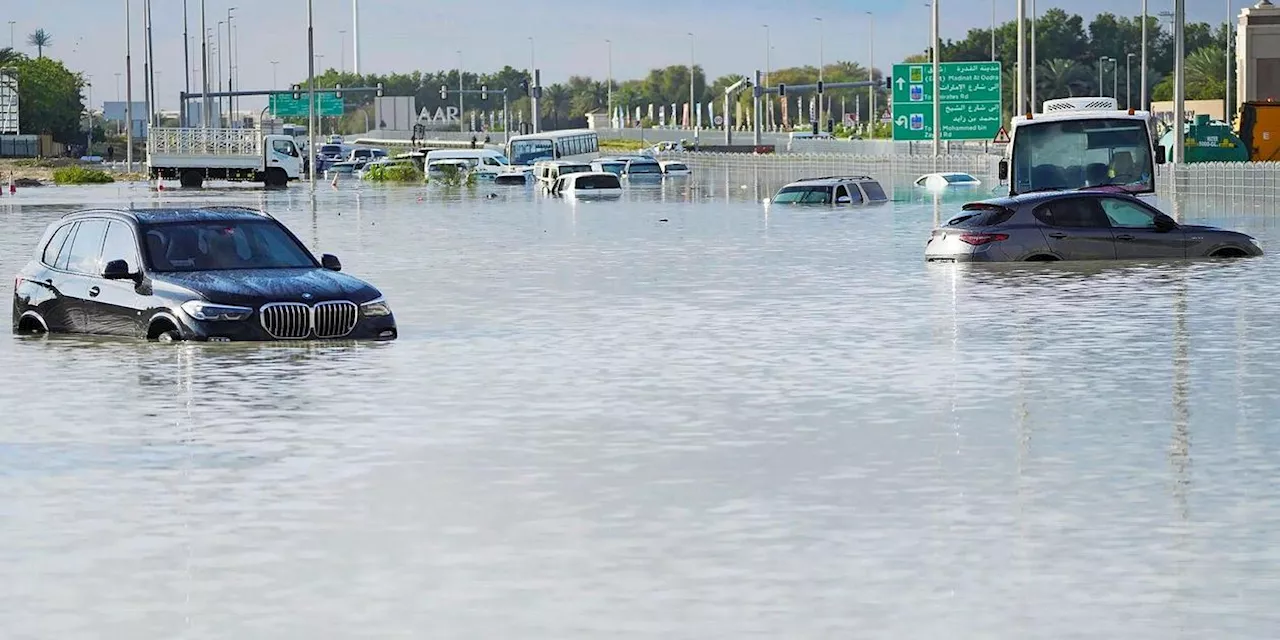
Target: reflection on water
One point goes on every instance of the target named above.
(681, 413)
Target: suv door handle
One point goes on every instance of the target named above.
(1057, 234)
(94, 291)
(1124, 236)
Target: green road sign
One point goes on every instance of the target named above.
(969, 101)
(284, 106)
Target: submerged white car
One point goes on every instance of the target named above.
(674, 168)
(944, 180)
(593, 184)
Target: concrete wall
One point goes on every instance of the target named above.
(1211, 108)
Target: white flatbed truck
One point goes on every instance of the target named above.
(192, 155)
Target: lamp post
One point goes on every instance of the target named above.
(1031, 85)
(1179, 79)
(1128, 80)
(533, 64)
(609, 85)
(311, 97)
(11, 23)
(128, 88)
(1142, 100)
(1102, 92)
(937, 82)
(1022, 49)
(231, 104)
(691, 125)
(206, 112)
(274, 82)
(342, 51)
(821, 64)
(993, 30)
(1227, 95)
(462, 124)
(186, 66)
(767, 70)
(218, 58)
(871, 74)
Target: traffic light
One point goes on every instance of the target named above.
(297, 92)
(888, 82)
(819, 87)
(484, 92)
(537, 92)
(337, 90)
(378, 90)
(782, 90)
(444, 92)
(524, 87)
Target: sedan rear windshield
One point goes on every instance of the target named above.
(218, 245)
(329, 149)
(981, 216)
(804, 195)
(644, 167)
(598, 182)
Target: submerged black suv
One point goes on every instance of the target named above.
(215, 274)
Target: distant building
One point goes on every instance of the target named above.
(598, 120)
(117, 112)
(8, 102)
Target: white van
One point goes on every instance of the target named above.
(547, 172)
(485, 163)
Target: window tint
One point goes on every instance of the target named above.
(978, 217)
(804, 195)
(65, 253)
(598, 182)
(874, 192)
(120, 245)
(1126, 214)
(203, 246)
(50, 256)
(86, 248)
(1072, 212)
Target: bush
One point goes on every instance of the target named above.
(451, 176)
(393, 173)
(81, 175)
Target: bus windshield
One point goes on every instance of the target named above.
(1071, 154)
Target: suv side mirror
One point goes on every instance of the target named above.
(1165, 223)
(118, 270)
(331, 262)
(1002, 170)
(1160, 154)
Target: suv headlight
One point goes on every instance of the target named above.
(201, 310)
(375, 308)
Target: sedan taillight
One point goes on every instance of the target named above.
(976, 239)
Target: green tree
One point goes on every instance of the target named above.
(49, 98)
(1060, 78)
(1205, 76)
(8, 56)
(40, 39)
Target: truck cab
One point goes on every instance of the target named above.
(1078, 143)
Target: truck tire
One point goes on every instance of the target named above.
(191, 179)
(276, 177)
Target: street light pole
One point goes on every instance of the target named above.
(274, 81)
(937, 83)
(206, 112)
(231, 101)
(993, 30)
(1101, 91)
(821, 64)
(1143, 99)
(1128, 80)
(462, 125)
(1031, 87)
(767, 70)
(11, 23)
(1179, 80)
(186, 67)
(871, 75)
(219, 50)
(311, 97)
(1227, 95)
(1022, 63)
(691, 125)
(342, 51)
(609, 87)
(128, 87)
(1115, 79)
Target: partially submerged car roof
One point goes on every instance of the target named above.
(189, 214)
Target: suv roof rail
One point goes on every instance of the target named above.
(103, 209)
(847, 177)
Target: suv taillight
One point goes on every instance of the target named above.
(976, 239)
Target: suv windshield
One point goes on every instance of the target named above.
(1082, 153)
(232, 244)
(804, 195)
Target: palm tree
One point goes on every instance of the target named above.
(40, 39)
(557, 98)
(1205, 75)
(1059, 78)
(8, 56)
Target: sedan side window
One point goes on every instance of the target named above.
(51, 250)
(1073, 213)
(1128, 215)
(86, 248)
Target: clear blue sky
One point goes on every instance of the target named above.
(569, 37)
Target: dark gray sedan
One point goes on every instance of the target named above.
(1075, 225)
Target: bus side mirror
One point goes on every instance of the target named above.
(1002, 170)
(1160, 154)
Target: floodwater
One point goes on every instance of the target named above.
(677, 415)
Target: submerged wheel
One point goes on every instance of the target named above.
(169, 336)
(1230, 252)
(191, 179)
(1042, 258)
(276, 177)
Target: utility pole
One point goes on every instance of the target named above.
(206, 113)
(691, 125)
(871, 73)
(993, 30)
(146, 60)
(186, 67)
(1031, 86)
(1143, 103)
(1179, 80)
(1227, 96)
(767, 70)
(937, 86)
(231, 101)
(821, 64)
(609, 44)
(128, 88)
(462, 122)
(355, 37)
(1022, 63)
(311, 96)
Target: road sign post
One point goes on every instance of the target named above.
(969, 97)
(284, 105)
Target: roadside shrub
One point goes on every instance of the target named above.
(393, 173)
(81, 175)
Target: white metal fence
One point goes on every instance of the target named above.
(795, 166)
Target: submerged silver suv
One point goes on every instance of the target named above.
(832, 190)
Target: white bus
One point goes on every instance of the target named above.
(1079, 143)
(569, 144)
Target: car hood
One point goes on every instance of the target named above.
(254, 287)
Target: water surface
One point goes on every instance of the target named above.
(682, 414)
